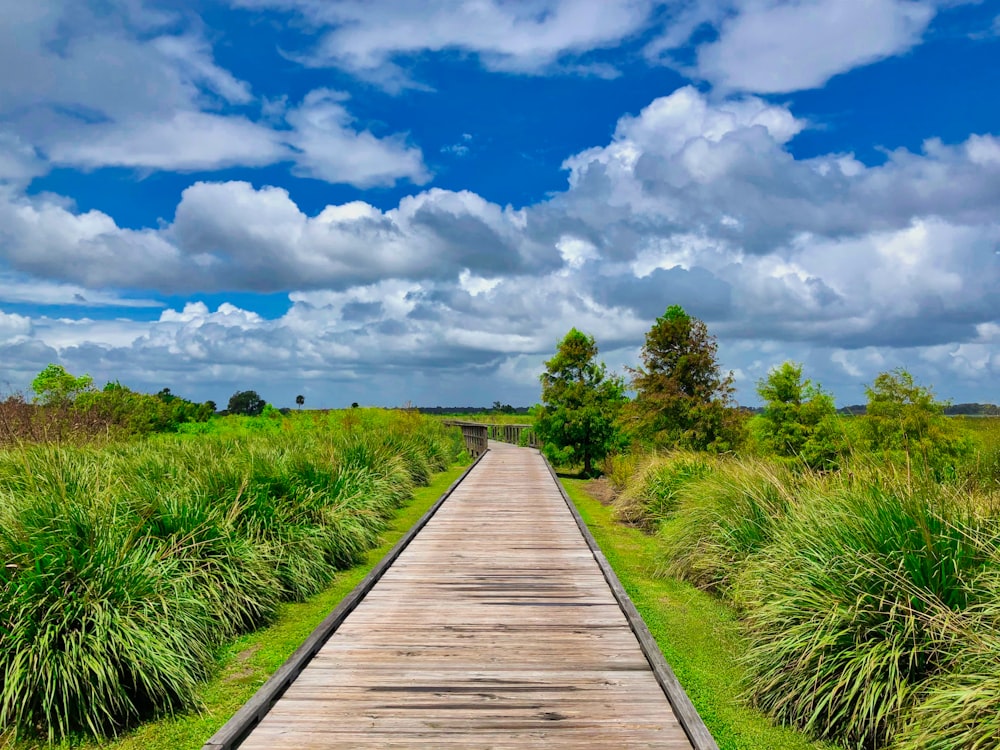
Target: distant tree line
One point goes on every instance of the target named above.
(470, 410)
(64, 405)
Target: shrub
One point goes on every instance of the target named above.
(906, 425)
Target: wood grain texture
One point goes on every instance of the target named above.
(494, 628)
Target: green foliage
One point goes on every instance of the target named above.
(140, 413)
(54, 386)
(246, 403)
(723, 518)
(869, 595)
(699, 634)
(651, 494)
(580, 403)
(865, 598)
(125, 567)
(905, 424)
(799, 420)
(682, 400)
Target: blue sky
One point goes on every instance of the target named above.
(392, 202)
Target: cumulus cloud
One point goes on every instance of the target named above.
(330, 149)
(19, 161)
(763, 47)
(183, 141)
(26, 290)
(848, 267)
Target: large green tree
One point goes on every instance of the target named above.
(799, 419)
(580, 403)
(682, 399)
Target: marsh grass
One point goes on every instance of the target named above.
(652, 493)
(123, 569)
(860, 603)
(724, 517)
(869, 596)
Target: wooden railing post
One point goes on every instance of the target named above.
(477, 435)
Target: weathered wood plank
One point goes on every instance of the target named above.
(495, 627)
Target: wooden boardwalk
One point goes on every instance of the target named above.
(494, 628)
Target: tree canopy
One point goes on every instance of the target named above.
(54, 385)
(248, 403)
(580, 403)
(682, 399)
(799, 418)
(905, 422)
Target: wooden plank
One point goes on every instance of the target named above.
(495, 627)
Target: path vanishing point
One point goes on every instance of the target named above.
(496, 623)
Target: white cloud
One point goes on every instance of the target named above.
(19, 162)
(849, 268)
(13, 326)
(373, 38)
(39, 292)
(183, 141)
(776, 47)
(122, 86)
(330, 149)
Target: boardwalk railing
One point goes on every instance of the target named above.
(478, 434)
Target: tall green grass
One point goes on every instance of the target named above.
(723, 517)
(651, 494)
(123, 569)
(870, 597)
(862, 598)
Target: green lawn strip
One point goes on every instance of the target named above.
(247, 663)
(698, 634)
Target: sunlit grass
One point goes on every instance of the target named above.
(125, 568)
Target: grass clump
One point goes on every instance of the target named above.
(124, 569)
(652, 493)
(852, 609)
(723, 518)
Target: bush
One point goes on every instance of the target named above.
(904, 424)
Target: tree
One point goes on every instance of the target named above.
(300, 400)
(905, 422)
(681, 397)
(580, 404)
(799, 419)
(248, 403)
(54, 386)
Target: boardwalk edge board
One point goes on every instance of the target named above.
(234, 731)
(687, 714)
